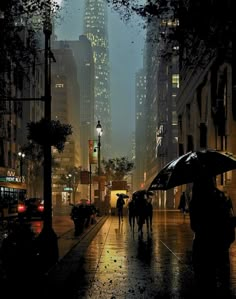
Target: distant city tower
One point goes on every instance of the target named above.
(95, 28)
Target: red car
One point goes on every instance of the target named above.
(31, 207)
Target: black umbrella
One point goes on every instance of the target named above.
(186, 168)
(123, 195)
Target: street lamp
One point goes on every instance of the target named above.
(69, 177)
(21, 157)
(48, 242)
(99, 131)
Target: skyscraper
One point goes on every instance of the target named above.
(95, 28)
(83, 55)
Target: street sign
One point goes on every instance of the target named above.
(68, 189)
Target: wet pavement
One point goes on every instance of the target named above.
(115, 263)
(109, 261)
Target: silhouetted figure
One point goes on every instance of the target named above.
(183, 203)
(210, 219)
(119, 205)
(149, 208)
(81, 215)
(141, 209)
(132, 213)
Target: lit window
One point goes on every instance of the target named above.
(175, 80)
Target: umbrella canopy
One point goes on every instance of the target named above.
(142, 192)
(123, 195)
(186, 168)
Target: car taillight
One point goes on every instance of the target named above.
(21, 208)
(40, 208)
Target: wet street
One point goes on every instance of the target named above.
(119, 264)
(112, 262)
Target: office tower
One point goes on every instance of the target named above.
(65, 108)
(95, 28)
(83, 55)
(140, 135)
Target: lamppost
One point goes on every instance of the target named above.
(99, 131)
(48, 242)
(69, 177)
(21, 157)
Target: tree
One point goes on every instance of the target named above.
(20, 23)
(204, 26)
(74, 172)
(55, 133)
(117, 168)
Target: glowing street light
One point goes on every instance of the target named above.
(21, 157)
(99, 131)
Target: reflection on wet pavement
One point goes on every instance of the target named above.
(115, 263)
(119, 264)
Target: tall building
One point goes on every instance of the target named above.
(138, 179)
(20, 79)
(65, 108)
(95, 28)
(83, 55)
(161, 123)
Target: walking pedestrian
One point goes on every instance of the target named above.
(119, 205)
(149, 210)
(210, 219)
(183, 203)
(132, 213)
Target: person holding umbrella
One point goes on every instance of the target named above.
(210, 211)
(210, 219)
(119, 205)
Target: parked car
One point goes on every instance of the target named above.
(31, 207)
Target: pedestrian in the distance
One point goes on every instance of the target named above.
(119, 205)
(183, 204)
(132, 213)
(149, 210)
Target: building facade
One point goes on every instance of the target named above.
(65, 108)
(140, 137)
(161, 142)
(83, 55)
(206, 99)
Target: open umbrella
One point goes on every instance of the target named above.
(123, 195)
(186, 168)
(143, 192)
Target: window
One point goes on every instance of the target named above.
(175, 80)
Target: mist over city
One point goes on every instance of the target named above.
(125, 46)
(117, 149)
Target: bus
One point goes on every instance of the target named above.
(10, 195)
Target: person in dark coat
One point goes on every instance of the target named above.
(183, 203)
(149, 210)
(119, 205)
(210, 219)
(132, 213)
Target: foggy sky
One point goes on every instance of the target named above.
(125, 50)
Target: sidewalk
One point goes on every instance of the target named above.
(64, 229)
(109, 261)
(115, 263)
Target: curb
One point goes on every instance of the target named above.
(69, 263)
